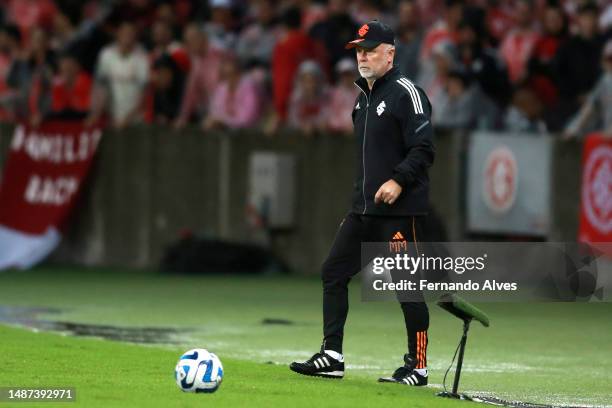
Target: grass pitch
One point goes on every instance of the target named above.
(557, 354)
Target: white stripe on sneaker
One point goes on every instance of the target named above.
(316, 363)
(326, 361)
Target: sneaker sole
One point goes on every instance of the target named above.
(337, 375)
(393, 380)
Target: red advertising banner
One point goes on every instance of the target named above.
(43, 174)
(596, 190)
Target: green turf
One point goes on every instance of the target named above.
(108, 374)
(547, 353)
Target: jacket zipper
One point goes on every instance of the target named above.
(365, 131)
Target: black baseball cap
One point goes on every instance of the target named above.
(371, 34)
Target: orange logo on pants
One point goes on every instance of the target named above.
(398, 243)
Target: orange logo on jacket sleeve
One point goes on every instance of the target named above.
(363, 30)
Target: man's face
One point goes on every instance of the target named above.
(553, 20)
(194, 39)
(374, 62)
(162, 78)
(162, 34)
(38, 41)
(587, 24)
(126, 36)
(4, 41)
(523, 14)
(68, 68)
(228, 69)
(407, 13)
(607, 64)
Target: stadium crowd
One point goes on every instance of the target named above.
(523, 65)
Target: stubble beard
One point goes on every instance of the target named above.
(367, 73)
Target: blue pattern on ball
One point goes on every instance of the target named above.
(184, 382)
(193, 356)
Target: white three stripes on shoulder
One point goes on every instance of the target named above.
(414, 94)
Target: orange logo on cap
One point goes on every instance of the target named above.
(363, 30)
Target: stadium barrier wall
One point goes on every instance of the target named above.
(150, 184)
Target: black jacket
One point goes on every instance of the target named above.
(394, 139)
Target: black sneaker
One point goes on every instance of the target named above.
(407, 374)
(320, 365)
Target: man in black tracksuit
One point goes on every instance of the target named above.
(391, 118)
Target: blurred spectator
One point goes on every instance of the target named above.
(499, 20)
(525, 113)
(220, 29)
(541, 67)
(257, 40)
(176, 13)
(10, 42)
(308, 105)
(167, 84)
(30, 77)
(203, 75)
(367, 10)
(596, 112)
(578, 61)
(140, 13)
(89, 40)
(482, 62)
(605, 20)
(409, 38)
(463, 106)
(121, 76)
(518, 44)
(164, 43)
(30, 15)
(71, 90)
(63, 30)
(165, 13)
(335, 31)
(429, 11)
(444, 59)
(270, 40)
(313, 12)
(342, 97)
(445, 29)
(235, 101)
(291, 50)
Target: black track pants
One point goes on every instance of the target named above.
(344, 262)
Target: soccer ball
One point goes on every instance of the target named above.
(198, 370)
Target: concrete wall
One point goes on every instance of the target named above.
(150, 183)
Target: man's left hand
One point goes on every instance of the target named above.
(388, 192)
